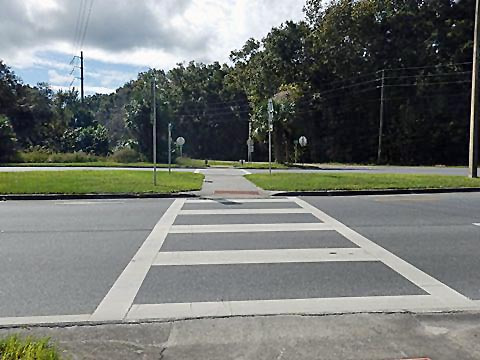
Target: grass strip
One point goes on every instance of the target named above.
(15, 348)
(336, 181)
(90, 164)
(94, 182)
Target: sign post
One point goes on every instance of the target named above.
(169, 148)
(250, 149)
(303, 142)
(180, 142)
(270, 129)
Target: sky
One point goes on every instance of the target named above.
(120, 38)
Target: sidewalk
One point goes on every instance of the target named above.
(228, 183)
(361, 336)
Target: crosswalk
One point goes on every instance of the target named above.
(283, 256)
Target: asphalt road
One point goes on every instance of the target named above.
(163, 258)
(436, 170)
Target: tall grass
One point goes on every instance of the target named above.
(16, 348)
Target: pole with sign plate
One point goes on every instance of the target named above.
(180, 142)
(270, 129)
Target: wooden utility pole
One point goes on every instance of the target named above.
(81, 76)
(473, 147)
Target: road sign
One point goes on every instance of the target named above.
(302, 141)
(180, 141)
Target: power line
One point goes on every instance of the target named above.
(431, 83)
(86, 24)
(430, 75)
(429, 67)
(80, 16)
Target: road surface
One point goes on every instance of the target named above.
(144, 259)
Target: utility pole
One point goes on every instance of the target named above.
(154, 120)
(473, 146)
(270, 129)
(380, 127)
(169, 147)
(81, 76)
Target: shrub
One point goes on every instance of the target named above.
(187, 162)
(44, 156)
(75, 157)
(125, 155)
(34, 156)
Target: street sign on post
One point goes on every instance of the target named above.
(250, 149)
(180, 142)
(302, 141)
(270, 129)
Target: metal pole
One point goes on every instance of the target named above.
(380, 127)
(81, 76)
(249, 154)
(169, 147)
(154, 106)
(270, 126)
(473, 146)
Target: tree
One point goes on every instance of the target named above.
(7, 140)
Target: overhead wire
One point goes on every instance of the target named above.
(87, 21)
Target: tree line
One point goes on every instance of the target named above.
(326, 75)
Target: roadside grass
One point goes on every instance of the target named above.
(335, 181)
(90, 164)
(262, 165)
(180, 163)
(15, 348)
(197, 163)
(94, 182)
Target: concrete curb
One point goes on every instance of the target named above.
(95, 196)
(375, 192)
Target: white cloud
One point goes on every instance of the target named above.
(89, 90)
(142, 33)
(55, 78)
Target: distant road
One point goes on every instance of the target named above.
(462, 171)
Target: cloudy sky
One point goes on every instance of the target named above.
(38, 38)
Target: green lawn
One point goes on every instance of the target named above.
(90, 182)
(184, 162)
(91, 164)
(15, 348)
(315, 182)
(262, 165)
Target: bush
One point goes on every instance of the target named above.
(125, 155)
(75, 157)
(34, 156)
(187, 162)
(44, 156)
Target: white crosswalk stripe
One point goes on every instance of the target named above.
(118, 304)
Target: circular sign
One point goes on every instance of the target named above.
(180, 141)
(302, 141)
(250, 142)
